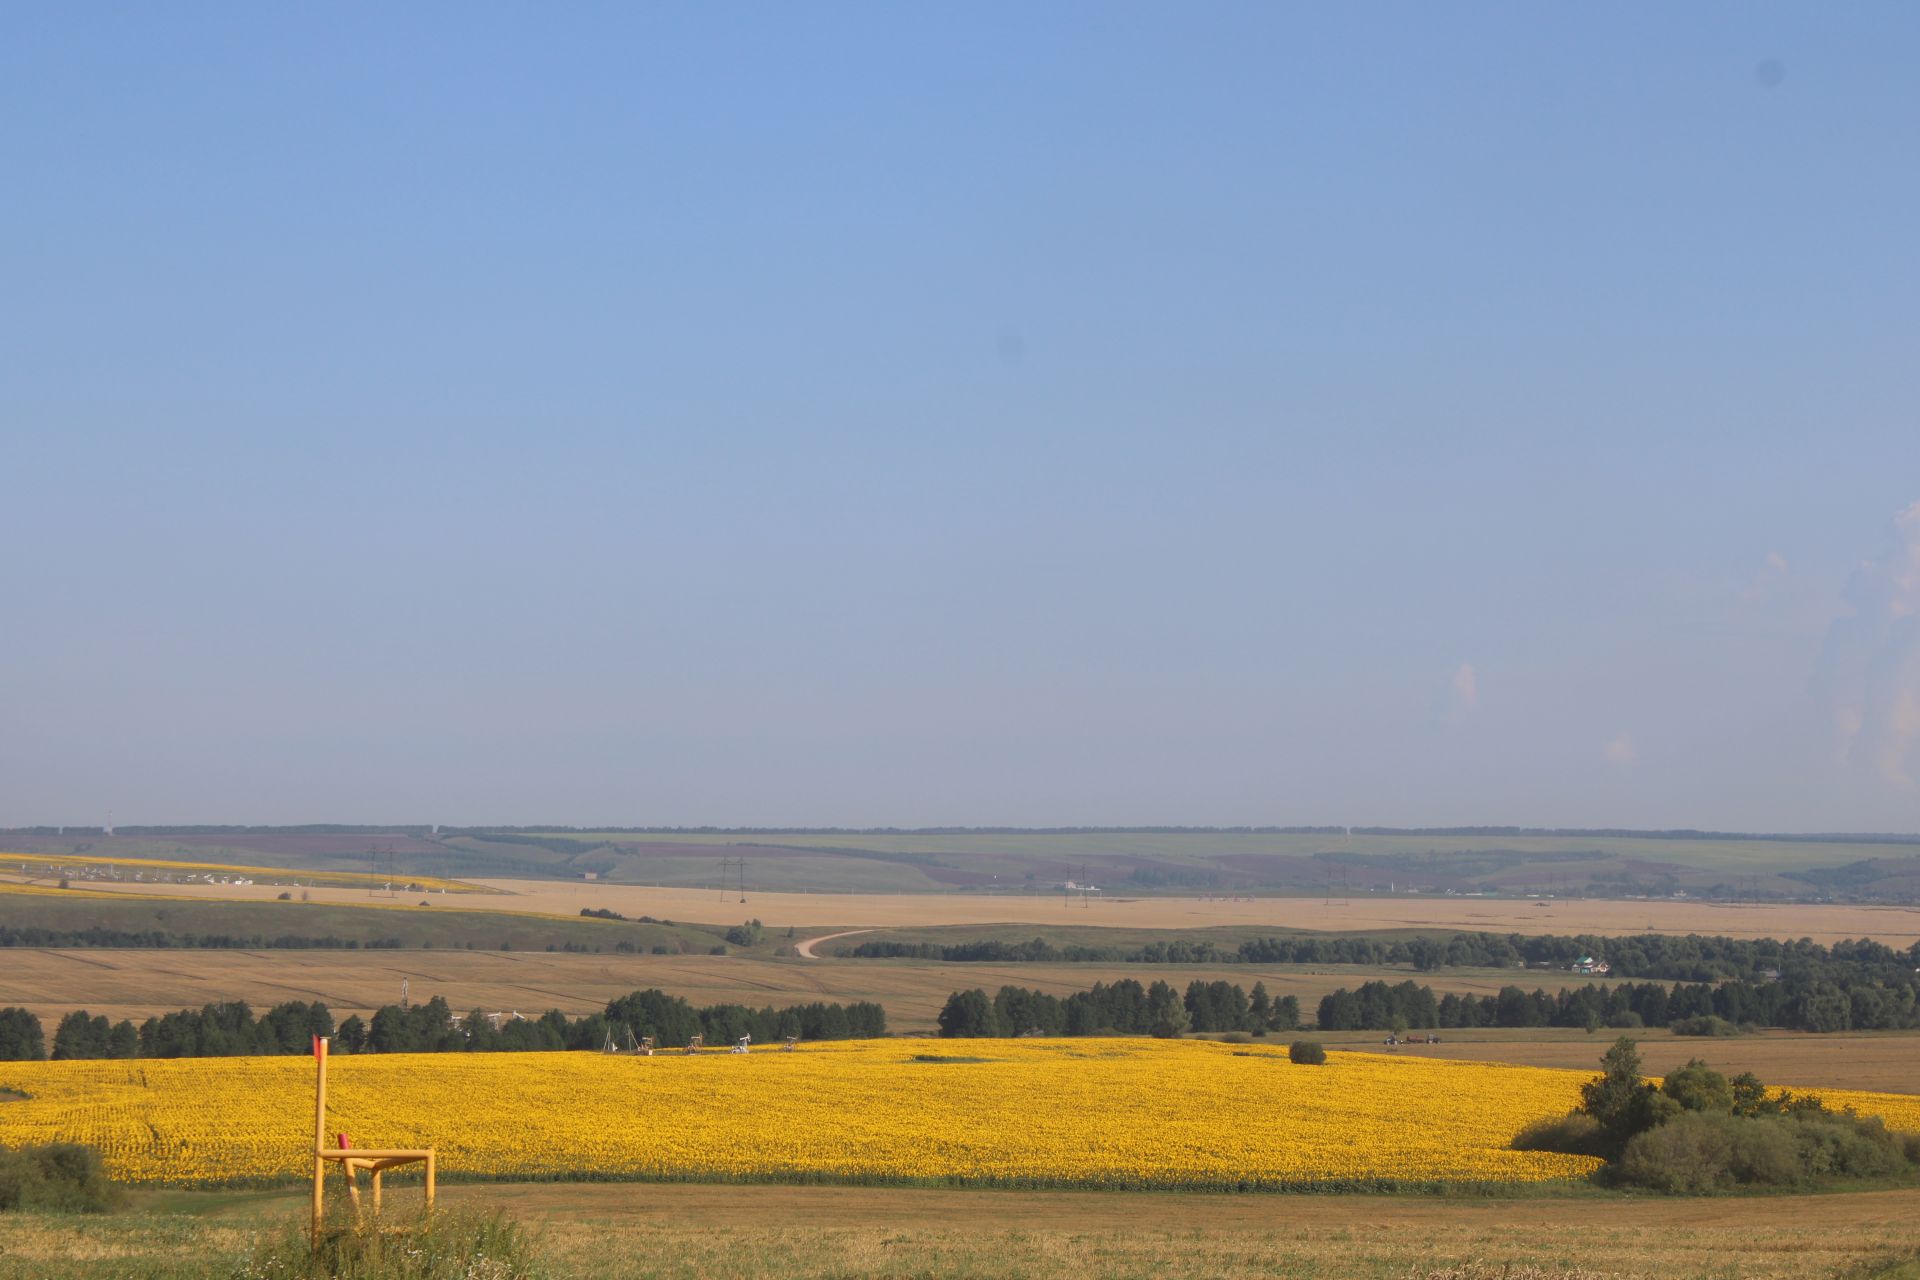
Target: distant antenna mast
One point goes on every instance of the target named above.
(109, 822)
(737, 867)
(403, 993)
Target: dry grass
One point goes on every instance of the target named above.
(1895, 925)
(692, 1231)
(711, 1231)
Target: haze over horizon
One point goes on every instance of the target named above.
(1078, 415)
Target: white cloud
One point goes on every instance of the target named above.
(1620, 750)
(1776, 562)
(1466, 687)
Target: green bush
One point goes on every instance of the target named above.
(1574, 1134)
(62, 1176)
(1307, 1052)
(1698, 1087)
(1693, 1153)
(1704, 1025)
(1712, 1152)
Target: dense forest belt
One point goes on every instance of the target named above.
(1896, 926)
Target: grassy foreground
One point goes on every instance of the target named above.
(626, 1231)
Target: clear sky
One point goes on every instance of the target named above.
(961, 414)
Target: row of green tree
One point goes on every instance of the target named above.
(230, 1029)
(1693, 958)
(1857, 1004)
(1124, 1007)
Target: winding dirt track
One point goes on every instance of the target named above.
(805, 949)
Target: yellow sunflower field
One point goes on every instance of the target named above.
(1080, 1112)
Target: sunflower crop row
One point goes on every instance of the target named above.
(1119, 1113)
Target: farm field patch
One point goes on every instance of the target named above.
(1087, 1112)
(99, 871)
(1897, 926)
(121, 983)
(1712, 852)
(1097, 1113)
(1887, 1061)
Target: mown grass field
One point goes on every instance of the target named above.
(692, 1231)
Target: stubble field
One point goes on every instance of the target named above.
(691, 1231)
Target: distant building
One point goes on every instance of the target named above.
(1588, 965)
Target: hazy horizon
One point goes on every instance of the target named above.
(1022, 416)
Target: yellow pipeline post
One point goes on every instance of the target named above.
(319, 1134)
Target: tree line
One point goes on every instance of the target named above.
(230, 1029)
(1693, 958)
(1121, 1008)
(1694, 1007)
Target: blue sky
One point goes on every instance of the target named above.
(984, 414)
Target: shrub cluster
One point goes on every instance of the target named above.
(1700, 1131)
(450, 1244)
(61, 1176)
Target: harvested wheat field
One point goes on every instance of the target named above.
(877, 1232)
(1885, 1061)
